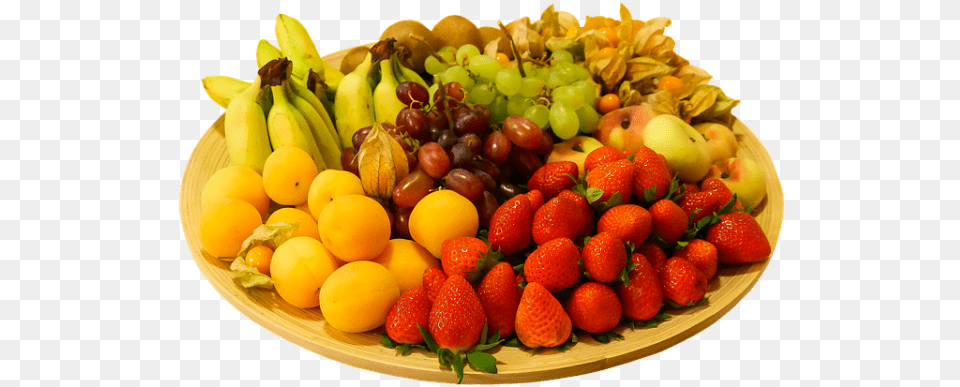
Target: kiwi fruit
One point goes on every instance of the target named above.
(456, 30)
(415, 42)
(353, 58)
(489, 34)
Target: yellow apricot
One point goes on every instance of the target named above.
(354, 228)
(306, 225)
(331, 184)
(226, 224)
(442, 215)
(236, 182)
(287, 175)
(358, 296)
(407, 260)
(299, 268)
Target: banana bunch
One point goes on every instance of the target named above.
(361, 99)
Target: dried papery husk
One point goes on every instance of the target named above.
(383, 163)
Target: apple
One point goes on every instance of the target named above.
(575, 149)
(722, 142)
(623, 128)
(744, 177)
(686, 151)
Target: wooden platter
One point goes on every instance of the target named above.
(307, 328)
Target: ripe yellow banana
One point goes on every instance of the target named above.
(404, 74)
(245, 129)
(222, 89)
(287, 127)
(353, 105)
(386, 105)
(296, 44)
(305, 93)
(266, 52)
(329, 150)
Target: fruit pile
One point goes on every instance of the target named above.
(461, 188)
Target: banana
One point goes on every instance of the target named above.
(386, 105)
(245, 129)
(287, 127)
(222, 89)
(295, 43)
(404, 74)
(318, 105)
(329, 150)
(266, 52)
(353, 105)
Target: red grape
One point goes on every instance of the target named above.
(402, 222)
(453, 90)
(436, 118)
(546, 145)
(523, 132)
(469, 122)
(473, 142)
(461, 155)
(411, 161)
(487, 166)
(447, 139)
(360, 135)
(464, 183)
(486, 206)
(413, 94)
(497, 147)
(413, 122)
(433, 160)
(350, 163)
(412, 188)
(525, 161)
(508, 190)
(489, 183)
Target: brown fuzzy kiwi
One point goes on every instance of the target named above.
(353, 58)
(489, 34)
(456, 30)
(415, 42)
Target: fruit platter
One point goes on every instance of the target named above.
(515, 203)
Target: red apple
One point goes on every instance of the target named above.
(623, 128)
(720, 139)
(744, 177)
(574, 149)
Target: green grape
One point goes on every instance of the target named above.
(529, 68)
(539, 114)
(581, 73)
(554, 80)
(588, 119)
(482, 93)
(543, 74)
(433, 90)
(531, 87)
(433, 65)
(569, 95)
(484, 66)
(589, 91)
(567, 72)
(508, 81)
(518, 104)
(564, 121)
(465, 52)
(457, 74)
(561, 56)
(449, 53)
(498, 109)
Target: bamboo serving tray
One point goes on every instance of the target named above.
(308, 329)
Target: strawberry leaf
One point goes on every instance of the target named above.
(428, 338)
(514, 342)
(630, 248)
(649, 194)
(483, 361)
(484, 236)
(495, 338)
(615, 200)
(624, 276)
(674, 305)
(630, 158)
(404, 350)
(673, 193)
(682, 244)
(593, 194)
(604, 338)
(729, 206)
(483, 336)
(386, 341)
(653, 322)
(518, 268)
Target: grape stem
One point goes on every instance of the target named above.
(443, 103)
(513, 47)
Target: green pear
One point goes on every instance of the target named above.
(685, 149)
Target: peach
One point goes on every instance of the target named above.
(744, 177)
(720, 139)
(623, 128)
(575, 149)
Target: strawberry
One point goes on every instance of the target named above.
(683, 283)
(468, 257)
(510, 225)
(653, 176)
(433, 279)
(554, 265)
(411, 310)
(520, 280)
(707, 202)
(654, 255)
(541, 320)
(702, 254)
(716, 185)
(554, 177)
(585, 209)
(643, 297)
(629, 222)
(536, 199)
(498, 295)
(669, 221)
(604, 257)
(594, 307)
(457, 317)
(687, 188)
(558, 218)
(739, 239)
(600, 156)
(613, 177)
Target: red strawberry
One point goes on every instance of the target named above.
(536, 199)
(585, 209)
(707, 202)
(629, 222)
(467, 257)
(604, 257)
(688, 188)
(552, 178)
(554, 265)
(613, 177)
(643, 298)
(683, 283)
(703, 254)
(654, 255)
(457, 317)
(498, 295)
(739, 239)
(600, 156)
(594, 307)
(541, 320)
(433, 279)
(669, 221)
(716, 185)
(652, 175)
(558, 218)
(510, 225)
(412, 309)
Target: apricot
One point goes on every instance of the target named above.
(287, 175)
(355, 228)
(442, 215)
(235, 182)
(407, 260)
(358, 296)
(299, 268)
(331, 184)
(306, 225)
(226, 224)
